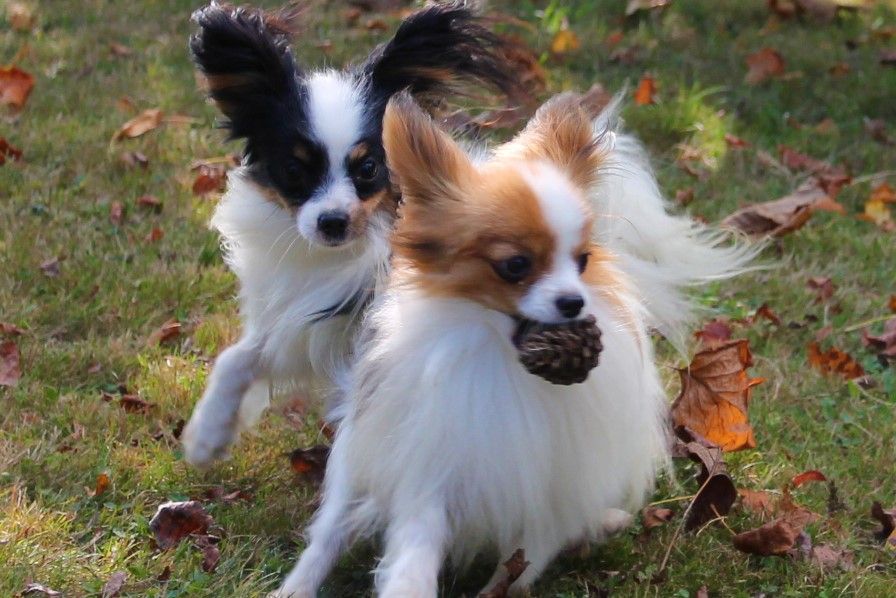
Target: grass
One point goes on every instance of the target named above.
(114, 289)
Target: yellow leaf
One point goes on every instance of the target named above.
(564, 42)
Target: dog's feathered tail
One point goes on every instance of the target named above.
(664, 254)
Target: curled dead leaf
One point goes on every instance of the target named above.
(715, 395)
(211, 554)
(7, 150)
(784, 215)
(114, 584)
(210, 178)
(15, 86)
(513, 567)
(143, 123)
(175, 521)
(35, 589)
(310, 462)
(116, 213)
(823, 286)
(102, 484)
(735, 142)
(168, 331)
(714, 332)
(759, 502)
(764, 64)
(564, 42)
(887, 520)
(717, 492)
(813, 475)
(655, 516)
(645, 93)
(775, 538)
(834, 361)
(10, 367)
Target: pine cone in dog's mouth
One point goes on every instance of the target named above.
(560, 353)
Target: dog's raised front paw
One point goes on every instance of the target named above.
(206, 442)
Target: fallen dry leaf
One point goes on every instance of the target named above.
(150, 202)
(154, 235)
(765, 312)
(33, 589)
(892, 303)
(840, 69)
(614, 37)
(10, 367)
(813, 475)
(883, 193)
(877, 129)
(735, 142)
(715, 395)
(120, 50)
(210, 178)
(887, 520)
(830, 177)
(656, 516)
(684, 196)
(823, 286)
(102, 484)
(116, 213)
(310, 462)
(777, 537)
(376, 24)
(888, 57)
(717, 491)
(115, 583)
(142, 123)
(764, 64)
(757, 501)
(129, 402)
(876, 208)
(830, 557)
(646, 91)
(133, 159)
(564, 42)
(834, 361)
(15, 86)
(634, 6)
(8, 151)
(166, 332)
(714, 332)
(7, 329)
(175, 521)
(211, 555)
(703, 592)
(784, 215)
(50, 267)
(883, 344)
(513, 567)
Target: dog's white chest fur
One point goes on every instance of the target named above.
(520, 462)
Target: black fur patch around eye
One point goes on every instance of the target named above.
(370, 148)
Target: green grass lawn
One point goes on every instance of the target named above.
(86, 329)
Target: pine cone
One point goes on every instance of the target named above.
(560, 353)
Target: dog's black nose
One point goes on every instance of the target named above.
(570, 305)
(333, 225)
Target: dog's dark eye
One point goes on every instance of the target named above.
(367, 169)
(583, 262)
(513, 269)
(294, 169)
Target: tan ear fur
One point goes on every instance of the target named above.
(561, 133)
(426, 163)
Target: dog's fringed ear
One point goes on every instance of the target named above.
(426, 163)
(435, 52)
(246, 58)
(561, 132)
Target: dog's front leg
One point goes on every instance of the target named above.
(415, 549)
(213, 425)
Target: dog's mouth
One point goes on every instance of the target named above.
(562, 353)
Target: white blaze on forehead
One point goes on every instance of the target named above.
(563, 209)
(335, 114)
(561, 204)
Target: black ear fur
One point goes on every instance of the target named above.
(246, 57)
(434, 52)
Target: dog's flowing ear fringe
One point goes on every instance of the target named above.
(437, 51)
(247, 61)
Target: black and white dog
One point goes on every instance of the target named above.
(306, 217)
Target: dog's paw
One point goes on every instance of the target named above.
(614, 521)
(205, 442)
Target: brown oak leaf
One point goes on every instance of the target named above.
(715, 395)
(834, 361)
(174, 521)
(783, 215)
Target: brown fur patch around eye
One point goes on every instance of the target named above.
(454, 245)
(300, 151)
(358, 152)
(384, 201)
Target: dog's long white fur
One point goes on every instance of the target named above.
(451, 448)
(285, 284)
